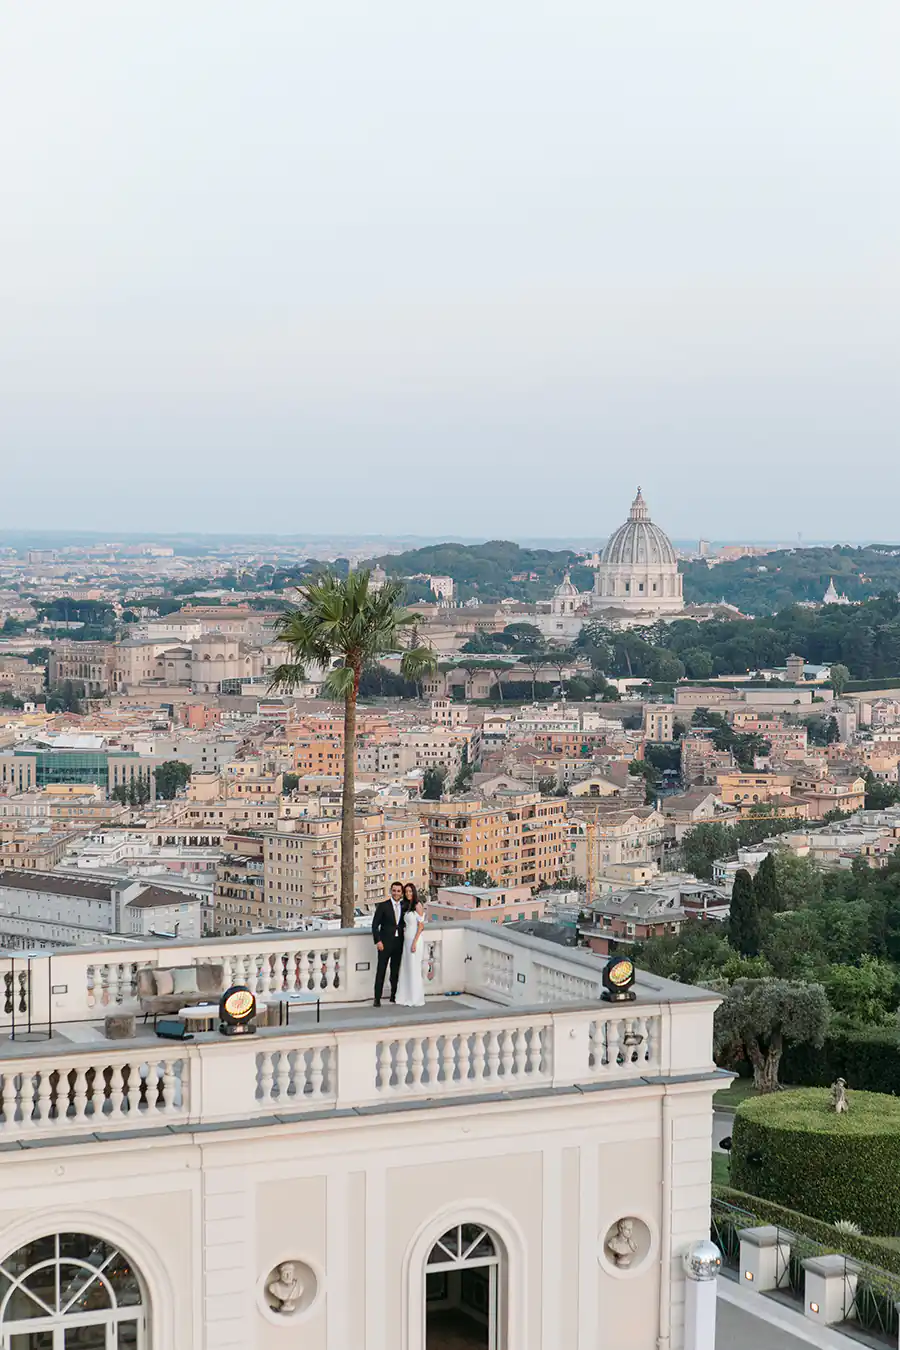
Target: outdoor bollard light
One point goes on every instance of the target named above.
(237, 1011)
(618, 980)
(702, 1263)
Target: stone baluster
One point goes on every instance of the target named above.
(415, 1064)
(519, 1050)
(532, 1050)
(316, 1071)
(309, 980)
(116, 1090)
(402, 1060)
(493, 1055)
(266, 1076)
(464, 1058)
(282, 1077)
(79, 1096)
(432, 1060)
(383, 1066)
(42, 1098)
(618, 1050)
(169, 1084)
(545, 1042)
(478, 1057)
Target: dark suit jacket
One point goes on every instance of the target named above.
(384, 929)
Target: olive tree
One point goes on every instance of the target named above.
(757, 1017)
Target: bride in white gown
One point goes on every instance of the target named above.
(411, 985)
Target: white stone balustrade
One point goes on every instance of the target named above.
(68, 1092)
(535, 1020)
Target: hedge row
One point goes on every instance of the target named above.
(790, 1147)
(860, 686)
(869, 1061)
(869, 1250)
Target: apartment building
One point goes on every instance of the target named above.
(239, 894)
(825, 793)
(737, 788)
(302, 864)
(701, 761)
(318, 755)
(659, 722)
(619, 838)
(518, 838)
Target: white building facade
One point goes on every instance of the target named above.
(374, 1181)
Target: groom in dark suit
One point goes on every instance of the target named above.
(387, 933)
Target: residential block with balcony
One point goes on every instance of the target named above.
(518, 838)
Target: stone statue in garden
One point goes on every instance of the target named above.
(839, 1102)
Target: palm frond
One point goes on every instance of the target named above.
(418, 661)
(285, 678)
(338, 682)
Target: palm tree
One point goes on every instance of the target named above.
(339, 617)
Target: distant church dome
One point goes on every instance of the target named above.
(638, 570)
(638, 541)
(565, 598)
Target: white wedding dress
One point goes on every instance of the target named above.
(411, 985)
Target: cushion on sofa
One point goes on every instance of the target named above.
(209, 978)
(165, 982)
(146, 985)
(184, 980)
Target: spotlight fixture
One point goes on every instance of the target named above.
(618, 979)
(237, 1011)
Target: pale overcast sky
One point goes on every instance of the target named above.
(463, 268)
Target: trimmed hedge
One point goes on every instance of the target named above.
(789, 1147)
(868, 1059)
(869, 1250)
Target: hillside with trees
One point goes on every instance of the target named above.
(864, 638)
(766, 584)
(490, 572)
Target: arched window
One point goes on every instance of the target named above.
(462, 1294)
(70, 1290)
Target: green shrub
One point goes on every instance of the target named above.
(791, 1148)
(869, 1250)
(868, 1059)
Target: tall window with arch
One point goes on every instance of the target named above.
(71, 1291)
(463, 1293)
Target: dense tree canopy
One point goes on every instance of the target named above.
(864, 639)
(763, 585)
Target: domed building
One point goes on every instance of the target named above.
(638, 569)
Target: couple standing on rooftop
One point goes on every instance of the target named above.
(397, 927)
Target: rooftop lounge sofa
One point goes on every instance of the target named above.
(165, 990)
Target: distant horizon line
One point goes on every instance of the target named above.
(59, 538)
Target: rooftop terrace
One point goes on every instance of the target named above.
(506, 1015)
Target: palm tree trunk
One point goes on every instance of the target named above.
(348, 822)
